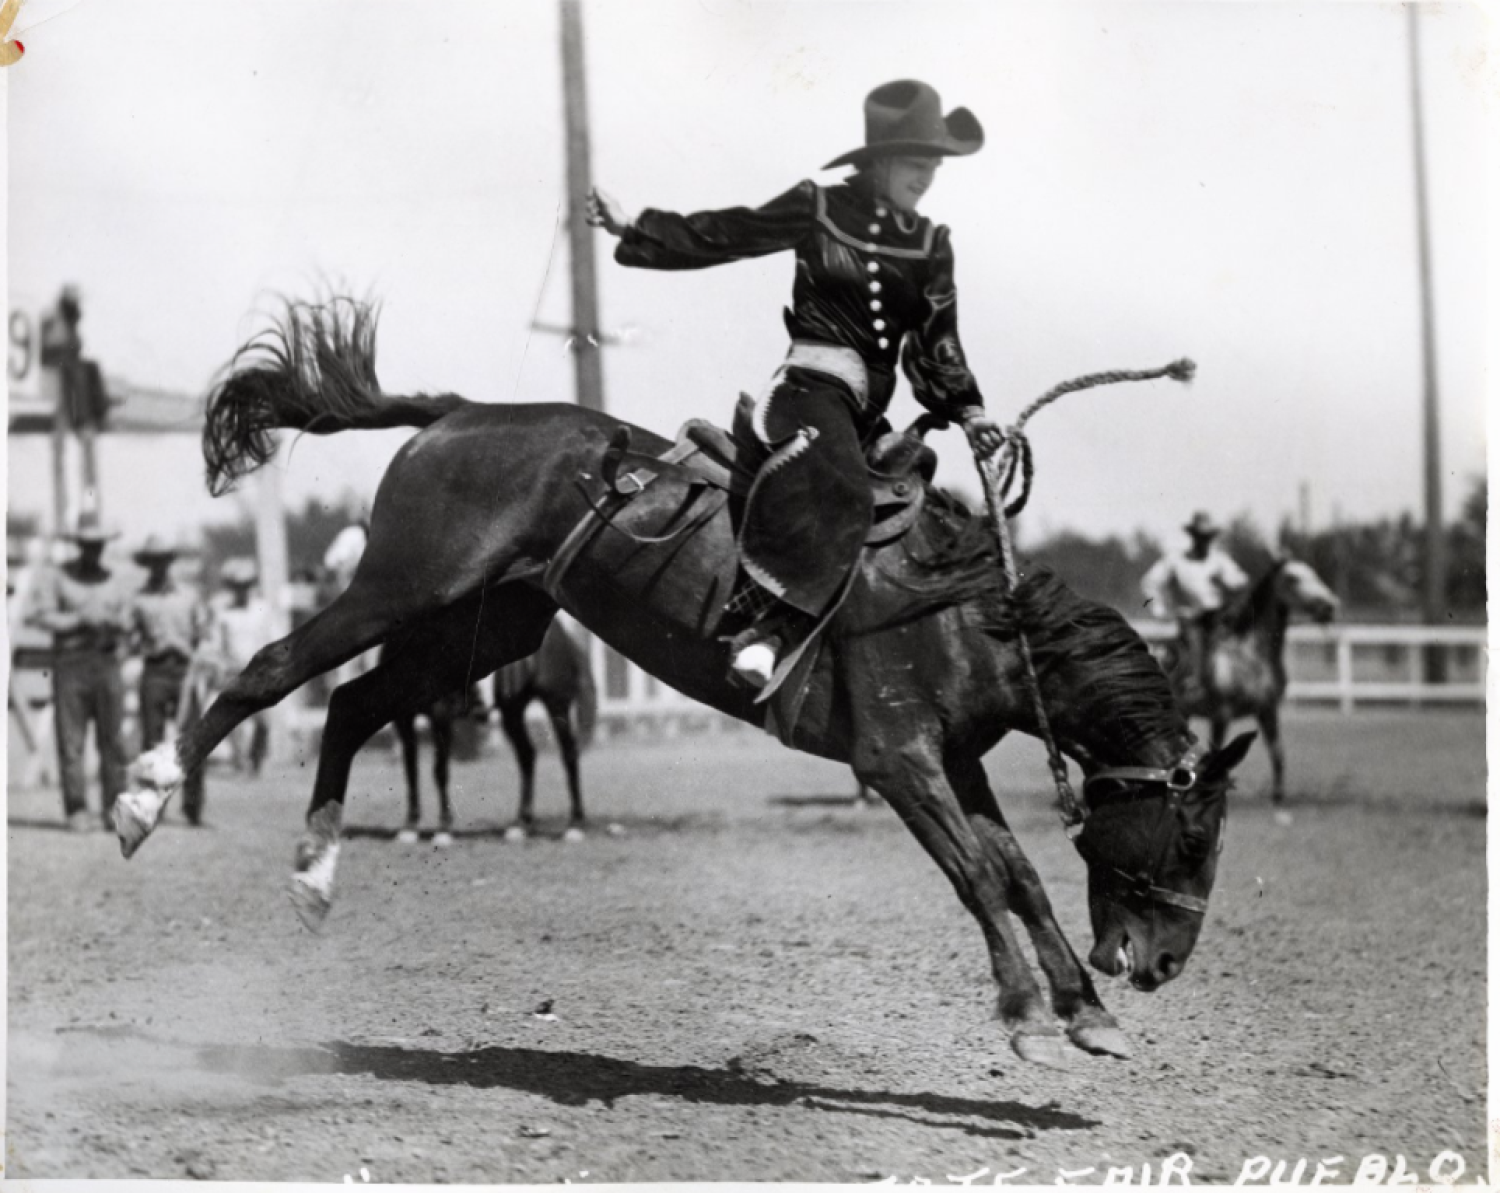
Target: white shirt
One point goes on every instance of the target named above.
(343, 554)
(1181, 586)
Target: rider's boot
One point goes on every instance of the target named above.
(755, 662)
(756, 651)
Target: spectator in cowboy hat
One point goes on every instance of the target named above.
(86, 608)
(1193, 585)
(169, 624)
(242, 627)
(873, 290)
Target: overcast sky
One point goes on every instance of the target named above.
(1231, 182)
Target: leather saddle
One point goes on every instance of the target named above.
(900, 466)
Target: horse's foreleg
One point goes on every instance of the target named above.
(513, 721)
(406, 730)
(1269, 719)
(470, 637)
(1074, 999)
(567, 747)
(913, 782)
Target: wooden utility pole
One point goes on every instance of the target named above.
(586, 340)
(1435, 561)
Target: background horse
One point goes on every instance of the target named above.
(918, 676)
(1246, 667)
(558, 675)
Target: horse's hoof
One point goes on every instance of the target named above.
(516, 833)
(1041, 1048)
(310, 903)
(136, 813)
(1101, 1040)
(573, 834)
(408, 836)
(1282, 817)
(442, 839)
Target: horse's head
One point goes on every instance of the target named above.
(1302, 591)
(1151, 840)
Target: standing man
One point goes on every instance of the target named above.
(340, 562)
(242, 627)
(1193, 586)
(168, 624)
(86, 609)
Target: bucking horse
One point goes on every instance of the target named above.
(495, 516)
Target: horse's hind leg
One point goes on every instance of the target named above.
(406, 730)
(443, 652)
(1074, 999)
(357, 619)
(558, 707)
(441, 721)
(513, 721)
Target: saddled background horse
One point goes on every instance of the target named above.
(558, 676)
(1246, 668)
(917, 677)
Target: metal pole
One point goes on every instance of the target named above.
(1435, 570)
(587, 342)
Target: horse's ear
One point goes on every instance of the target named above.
(1218, 764)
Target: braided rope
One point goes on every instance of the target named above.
(997, 475)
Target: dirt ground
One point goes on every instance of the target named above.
(744, 980)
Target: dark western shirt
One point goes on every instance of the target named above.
(862, 281)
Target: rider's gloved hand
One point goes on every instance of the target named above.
(985, 435)
(605, 212)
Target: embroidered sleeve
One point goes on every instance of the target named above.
(664, 240)
(934, 359)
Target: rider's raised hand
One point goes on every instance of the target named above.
(985, 435)
(605, 212)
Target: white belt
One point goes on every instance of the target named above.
(843, 363)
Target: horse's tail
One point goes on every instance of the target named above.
(312, 370)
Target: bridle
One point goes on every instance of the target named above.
(1170, 785)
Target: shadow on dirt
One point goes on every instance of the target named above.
(577, 1078)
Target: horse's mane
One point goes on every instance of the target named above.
(1089, 649)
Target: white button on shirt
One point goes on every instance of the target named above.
(874, 286)
(880, 325)
(883, 342)
(874, 229)
(875, 304)
(873, 266)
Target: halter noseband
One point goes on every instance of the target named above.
(1175, 782)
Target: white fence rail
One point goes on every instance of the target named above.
(1349, 665)
(1346, 665)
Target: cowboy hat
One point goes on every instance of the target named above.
(906, 117)
(155, 549)
(1202, 525)
(239, 571)
(89, 529)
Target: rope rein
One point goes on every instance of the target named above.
(998, 474)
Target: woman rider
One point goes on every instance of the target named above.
(874, 284)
